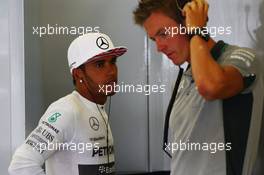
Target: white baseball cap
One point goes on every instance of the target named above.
(91, 46)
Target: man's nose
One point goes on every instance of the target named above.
(161, 46)
(112, 69)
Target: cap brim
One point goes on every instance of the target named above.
(116, 52)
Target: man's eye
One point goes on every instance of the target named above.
(163, 34)
(99, 65)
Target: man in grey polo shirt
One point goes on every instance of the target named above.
(215, 118)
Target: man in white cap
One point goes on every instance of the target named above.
(73, 136)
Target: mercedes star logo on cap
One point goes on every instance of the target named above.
(94, 123)
(102, 43)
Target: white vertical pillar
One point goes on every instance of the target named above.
(12, 125)
(17, 72)
(5, 124)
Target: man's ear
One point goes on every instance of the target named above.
(77, 74)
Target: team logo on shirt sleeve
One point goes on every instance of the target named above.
(244, 56)
(53, 118)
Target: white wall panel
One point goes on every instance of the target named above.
(12, 125)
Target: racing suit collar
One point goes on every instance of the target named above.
(87, 102)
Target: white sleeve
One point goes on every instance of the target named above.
(56, 126)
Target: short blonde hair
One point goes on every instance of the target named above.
(168, 7)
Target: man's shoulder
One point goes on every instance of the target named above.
(234, 51)
(64, 107)
(238, 50)
(67, 103)
(243, 58)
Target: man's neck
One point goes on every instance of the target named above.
(101, 100)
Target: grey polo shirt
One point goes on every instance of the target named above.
(217, 137)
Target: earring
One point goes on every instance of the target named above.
(81, 81)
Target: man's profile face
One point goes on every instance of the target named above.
(177, 48)
(101, 72)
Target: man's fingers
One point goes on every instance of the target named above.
(206, 8)
(200, 4)
(203, 5)
(186, 9)
(194, 4)
(187, 6)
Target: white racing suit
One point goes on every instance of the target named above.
(71, 139)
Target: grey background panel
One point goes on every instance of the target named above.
(33, 64)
